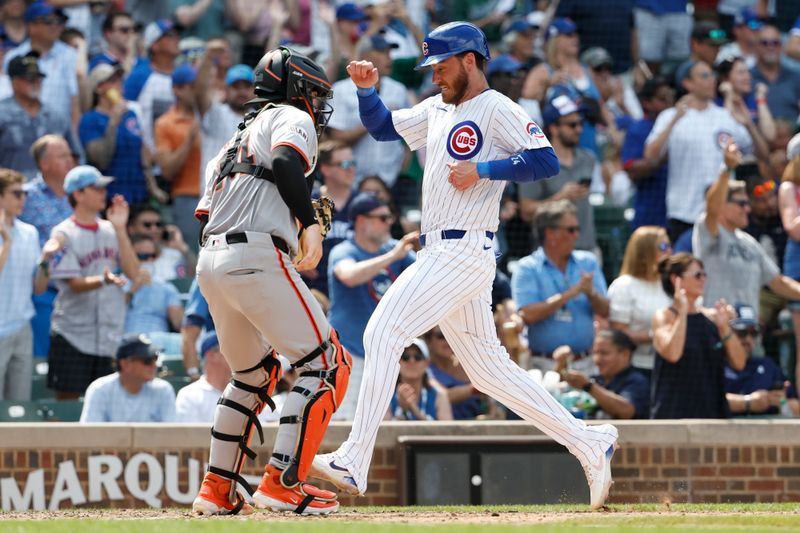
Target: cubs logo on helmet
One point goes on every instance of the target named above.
(535, 130)
(464, 141)
(450, 39)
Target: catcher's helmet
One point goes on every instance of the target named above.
(450, 39)
(286, 75)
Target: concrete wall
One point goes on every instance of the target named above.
(63, 465)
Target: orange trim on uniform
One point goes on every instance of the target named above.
(200, 212)
(312, 76)
(296, 149)
(300, 297)
(272, 73)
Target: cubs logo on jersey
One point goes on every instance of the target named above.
(723, 138)
(464, 141)
(535, 130)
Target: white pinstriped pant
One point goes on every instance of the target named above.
(450, 285)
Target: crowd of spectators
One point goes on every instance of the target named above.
(683, 115)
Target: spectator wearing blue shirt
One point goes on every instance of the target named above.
(621, 391)
(133, 393)
(418, 396)
(152, 305)
(663, 28)
(558, 289)
(196, 320)
(47, 205)
(360, 271)
(783, 98)
(760, 387)
(111, 134)
(649, 175)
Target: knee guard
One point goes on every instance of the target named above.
(247, 393)
(318, 410)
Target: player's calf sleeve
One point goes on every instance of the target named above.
(235, 419)
(313, 419)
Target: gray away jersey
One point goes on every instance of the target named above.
(244, 203)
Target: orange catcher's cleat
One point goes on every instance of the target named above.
(214, 498)
(303, 498)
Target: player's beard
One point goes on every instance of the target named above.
(458, 88)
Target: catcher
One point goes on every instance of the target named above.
(256, 198)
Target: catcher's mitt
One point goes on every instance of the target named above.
(323, 211)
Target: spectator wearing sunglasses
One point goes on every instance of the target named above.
(783, 98)
(133, 393)
(119, 36)
(384, 159)
(579, 169)
(789, 206)
(692, 344)
(637, 294)
(737, 264)
(360, 271)
(760, 387)
(558, 289)
(337, 168)
(176, 259)
(746, 25)
(152, 305)
(418, 396)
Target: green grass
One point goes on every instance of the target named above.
(654, 518)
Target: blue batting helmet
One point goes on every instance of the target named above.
(450, 39)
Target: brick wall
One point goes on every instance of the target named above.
(673, 461)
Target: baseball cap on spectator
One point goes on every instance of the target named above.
(596, 57)
(747, 17)
(709, 33)
(136, 346)
(374, 42)
(558, 107)
(350, 11)
(423, 347)
(102, 73)
(504, 63)
(39, 10)
(184, 74)
(795, 31)
(26, 66)
(84, 176)
(156, 30)
(362, 204)
(745, 317)
(561, 26)
(239, 72)
(209, 341)
(536, 18)
(517, 25)
(684, 71)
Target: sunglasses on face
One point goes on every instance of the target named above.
(664, 247)
(697, 275)
(152, 223)
(752, 332)
(770, 42)
(572, 230)
(146, 257)
(574, 125)
(740, 203)
(406, 357)
(50, 21)
(346, 164)
(125, 29)
(382, 218)
(146, 360)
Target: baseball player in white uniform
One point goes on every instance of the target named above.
(477, 139)
(255, 198)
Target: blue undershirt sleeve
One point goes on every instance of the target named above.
(530, 165)
(375, 116)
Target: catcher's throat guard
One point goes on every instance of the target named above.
(321, 405)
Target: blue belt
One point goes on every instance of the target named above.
(451, 234)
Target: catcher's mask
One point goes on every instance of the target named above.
(287, 75)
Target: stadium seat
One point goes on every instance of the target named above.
(60, 410)
(11, 411)
(39, 388)
(167, 343)
(612, 232)
(178, 382)
(171, 366)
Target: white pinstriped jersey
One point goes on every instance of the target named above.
(487, 127)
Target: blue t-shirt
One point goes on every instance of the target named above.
(147, 311)
(537, 279)
(102, 58)
(426, 403)
(196, 312)
(662, 7)
(135, 81)
(684, 242)
(650, 200)
(759, 373)
(632, 385)
(352, 307)
(464, 410)
(126, 164)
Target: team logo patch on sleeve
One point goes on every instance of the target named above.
(535, 130)
(464, 141)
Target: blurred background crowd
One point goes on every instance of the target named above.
(655, 276)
